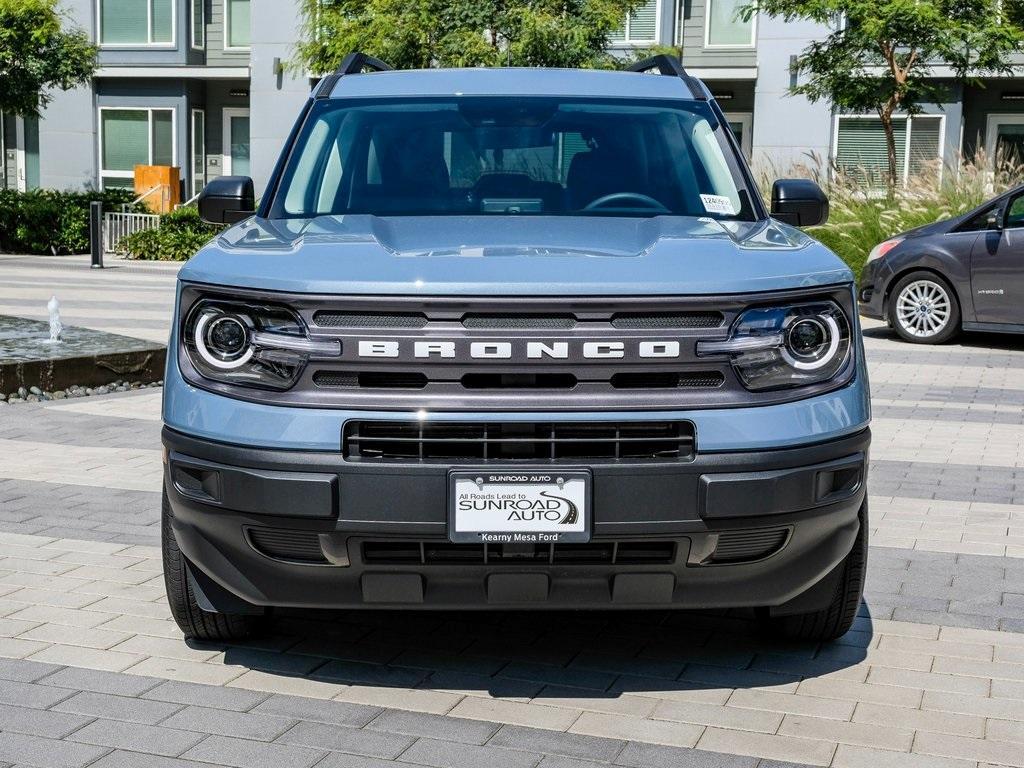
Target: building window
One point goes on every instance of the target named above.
(136, 22)
(640, 27)
(236, 23)
(860, 149)
(198, 151)
(133, 136)
(725, 26)
(198, 23)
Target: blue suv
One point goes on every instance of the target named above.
(514, 338)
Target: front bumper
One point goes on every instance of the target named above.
(872, 288)
(271, 527)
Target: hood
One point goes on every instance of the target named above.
(514, 255)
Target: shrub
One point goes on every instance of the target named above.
(181, 234)
(45, 221)
(862, 216)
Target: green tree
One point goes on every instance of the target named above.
(39, 53)
(879, 54)
(461, 33)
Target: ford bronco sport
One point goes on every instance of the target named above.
(514, 338)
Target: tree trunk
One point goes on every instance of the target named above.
(890, 145)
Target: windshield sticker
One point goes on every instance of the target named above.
(718, 204)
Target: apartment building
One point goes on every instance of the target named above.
(198, 84)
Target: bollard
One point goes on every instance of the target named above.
(96, 233)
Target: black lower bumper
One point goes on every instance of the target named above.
(294, 529)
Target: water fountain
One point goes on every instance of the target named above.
(51, 356)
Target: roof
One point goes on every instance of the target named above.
(511, 81)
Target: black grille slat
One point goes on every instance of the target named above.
(519, 381)
(656, 320)
(591, 553)
(514, 321)
(511, 441)
(290, 546)
(370, 379)
(332, 319)
(668, 380)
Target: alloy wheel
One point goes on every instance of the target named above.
(923, 308)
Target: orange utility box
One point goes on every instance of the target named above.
(163, 185)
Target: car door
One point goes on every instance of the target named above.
(997, 267)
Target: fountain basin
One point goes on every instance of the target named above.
(83, 356)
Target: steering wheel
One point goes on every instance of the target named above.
(645, 200)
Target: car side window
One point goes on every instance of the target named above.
(978, 222)
(1015, 213)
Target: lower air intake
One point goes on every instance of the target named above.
(746, 546)
(289, 546)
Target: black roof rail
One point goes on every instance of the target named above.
(352, 64)
(671, 66)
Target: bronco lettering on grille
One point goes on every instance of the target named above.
(508, 350)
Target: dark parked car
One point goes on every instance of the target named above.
(961, 273)
(964, 273)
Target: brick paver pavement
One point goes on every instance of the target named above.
(94, 673)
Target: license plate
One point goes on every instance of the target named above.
(519, 506)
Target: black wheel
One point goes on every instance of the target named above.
(923, 309)
(196, 623)
(835, 620)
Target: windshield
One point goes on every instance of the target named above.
(499, 156)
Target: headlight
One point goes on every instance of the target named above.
(883, 248)
(786, 346)
(250, 345)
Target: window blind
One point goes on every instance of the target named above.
(725, 24)
(238, 23)
(861, 150)
(124, 22)
(163, 23)
(198, 24)
(639, 26)
(125, 139)
(925, 141)
(163, 137)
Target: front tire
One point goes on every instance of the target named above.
(835, 620)
(923, 309)
(193, 621)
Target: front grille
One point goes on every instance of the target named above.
(291, 546)
(642, 321)
(744, 546)
(445, 553)
(477, 442)
(668, 380)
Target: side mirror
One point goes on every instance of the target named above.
(227, 200)
(994, 221)
(799, 202)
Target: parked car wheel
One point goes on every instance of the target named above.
(835, 620)
(923, 309)
(196, 623)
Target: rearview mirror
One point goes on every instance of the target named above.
(799, 202)
(227, 200)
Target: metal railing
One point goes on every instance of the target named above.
(119, 225)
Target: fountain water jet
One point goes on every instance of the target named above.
(56, 326)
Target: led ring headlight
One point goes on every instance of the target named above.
(810, 360)
(212, 330)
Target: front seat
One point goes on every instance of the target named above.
(600, 172)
